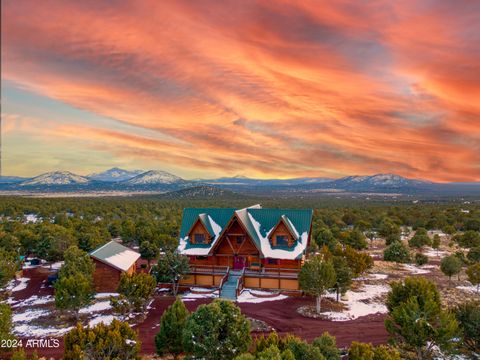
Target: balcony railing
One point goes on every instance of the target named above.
(209, 269)
(273, 273)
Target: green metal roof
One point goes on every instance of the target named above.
(220, 215)
(264, 220)
(116, 255)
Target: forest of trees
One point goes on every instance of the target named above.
(65, 229)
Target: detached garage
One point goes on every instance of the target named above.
(111, 261)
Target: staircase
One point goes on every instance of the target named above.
(229, 288)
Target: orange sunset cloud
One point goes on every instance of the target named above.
(266, 89)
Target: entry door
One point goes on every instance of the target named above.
(238, 262)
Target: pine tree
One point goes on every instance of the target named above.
(171, 267)
(169, 338)
(77, 262)
(217, 331)
(397, 252)
(468, 315)
(416, 320)
(115, 341)
(436, 242)
(473, 273)
(360, 351)
(135, 291)
(450, 265)
(8, 267)
(316, 277)
(6, 325)
(73, 292)
(148, 251)
(422, 328)
(343, 275)
(327, 345)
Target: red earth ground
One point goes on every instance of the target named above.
(280, 315)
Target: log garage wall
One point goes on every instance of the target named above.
(106, 278)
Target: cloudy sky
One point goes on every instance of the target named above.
(258, 88)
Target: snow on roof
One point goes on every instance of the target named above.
(256, 221)
(204, 250)
(116, 255)
(270, 252)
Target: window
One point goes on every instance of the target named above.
(240, 239)
(199, 238)
(273, 261)
(201, 257)
(282, 240)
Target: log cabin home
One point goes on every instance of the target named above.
(257, 247)
(111, 261)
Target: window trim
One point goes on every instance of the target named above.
(195, 238)
(286, 239)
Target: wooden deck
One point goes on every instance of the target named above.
(265, 278)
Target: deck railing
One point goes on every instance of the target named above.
(209, 269)
(240, 280)
(224, 278)
(273, 273)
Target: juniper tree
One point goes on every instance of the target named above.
(8, 267)
(135, 291)
(148, 251)
(420, 239)
(473, 273)
(171, 267)
(416, 320)
(115, 341)
(436, 242)
(450, 265)
(468, 316)
(72, 292)
(397, 252)
(217, 331)
(343, 275)
(316, 277)
(6, 325)
(169, 338)
(327, 345)
(474, 254)
(77, 262)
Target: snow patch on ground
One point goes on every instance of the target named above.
(470, 289)
(99, 306)
(247, 297)
(106, 319)
(35, 300)
(55, 266)
(29, 315)
(360, 303)
(21, 286)
(35, 331)
(200, 290)
(415, 270)
(371, 277)
(189, 296)
(105, 295)
(433, 253)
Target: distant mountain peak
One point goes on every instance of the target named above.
(154, 177)
(379, 180)
(115, 174)
(56, 178)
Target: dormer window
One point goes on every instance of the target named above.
(282, 240)
(199, 238)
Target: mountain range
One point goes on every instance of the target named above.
(117, 179)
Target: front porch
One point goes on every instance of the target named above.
(256, 278)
